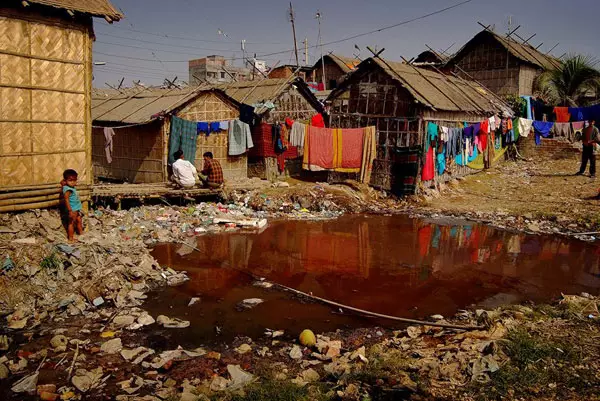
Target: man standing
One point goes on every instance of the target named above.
(184, 172)
(212, 173)
(589, 137)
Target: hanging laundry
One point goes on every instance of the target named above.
(484, 130)
(240, 138)
(593, 113)
(297, 134)
(183, 136)
(247, 114)
(289, 122)
(454, 145)
(108, 143)
(405, 170)
(542, 128)
(202, 127)
(369, 154)
(576, 113)
(528, 113)
(562, 114)
(428, 168)
(319, 151)
(524, 125)
(432, 133)
(224, 125)
(492, 123)
(577, 130)
(562, 130)
(441, 162)
(317, 121)
(444, 131)
(277, 139)
(262, 137)
(214, 127)
(348, 146)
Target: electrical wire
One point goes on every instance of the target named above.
(328, 43)
(166, 44)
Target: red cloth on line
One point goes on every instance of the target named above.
(429, 167)
(352, 147)
(320, 147)
(562, 114)
(321, 86)
(483, 134)
(263, 144)
(317, 121)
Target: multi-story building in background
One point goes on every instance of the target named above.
(215, 69)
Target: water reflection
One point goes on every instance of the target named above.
(396, 265)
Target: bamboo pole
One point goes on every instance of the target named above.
(56, 196)
(41, 192)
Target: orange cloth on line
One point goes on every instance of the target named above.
(562, 114)
(369, 154)
(319, 149)
(349, 149)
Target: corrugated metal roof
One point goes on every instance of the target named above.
(440, 91)
(133, 106)
(98, 8)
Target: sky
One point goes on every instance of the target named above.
(157, 37)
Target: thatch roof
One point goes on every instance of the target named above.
(346, 64)
(430, 57)
(96, 8)
(138, 105)
(431, 89)
(524, 52)
(267, 90)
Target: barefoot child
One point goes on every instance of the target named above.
(72, 205)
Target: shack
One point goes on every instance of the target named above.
(501, 64)
(336, 68)
(45, 96)
(141, 118)
(273, 100)
(398, 99)
(286, 71)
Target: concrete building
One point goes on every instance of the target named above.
(215, 69)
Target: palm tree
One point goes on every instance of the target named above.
(569, 84)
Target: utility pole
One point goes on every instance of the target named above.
(318, 17)
(306, 61)
(294, 32)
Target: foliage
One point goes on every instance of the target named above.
(517, 104)
(273, 390)
(568, 84)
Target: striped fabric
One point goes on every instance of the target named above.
(183, 136)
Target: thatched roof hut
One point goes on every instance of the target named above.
(502, 64)
(45, 96)
(140, 147)
(398, 99)
(336, 68)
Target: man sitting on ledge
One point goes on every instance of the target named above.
(184, 172)
(212, 173)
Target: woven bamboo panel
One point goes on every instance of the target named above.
(74, 107)
(49, 168)
(74, 45)
(14, 70)
(47, 40)
(14, 104)
(48, 138)
(74, 136)
(16, 171)
(57, 75)
(47, 106)
(14, 35)
(15, 138)
(74, 77)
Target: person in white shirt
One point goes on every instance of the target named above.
(184, 172)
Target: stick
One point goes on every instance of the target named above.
(74, 359)
(361, 311)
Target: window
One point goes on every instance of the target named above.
(222, 75)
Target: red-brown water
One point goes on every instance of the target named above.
(388, 264)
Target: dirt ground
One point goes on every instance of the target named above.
(537, 195)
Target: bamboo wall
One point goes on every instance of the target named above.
(332, 72)
(45, 89)
(290, 104)
(493, 66)
(137, 155)
(527, 76)
(210, 107)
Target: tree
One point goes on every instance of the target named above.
(569, 84)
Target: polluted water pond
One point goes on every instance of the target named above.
(393, 265)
